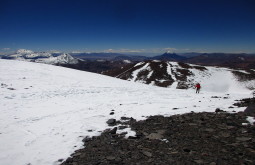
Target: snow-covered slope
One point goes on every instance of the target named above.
(61, 59)
(183, 76)
(47, 110)
(42, 57)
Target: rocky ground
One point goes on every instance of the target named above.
(195, 138)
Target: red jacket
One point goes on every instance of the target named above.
(198, 85)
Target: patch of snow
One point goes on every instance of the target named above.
(128, 131)
(241, 58)
(150, 74)
(135, 73)
(140, 63)
(250, 119)
(127, 61)
(169, 71)
(242, 71)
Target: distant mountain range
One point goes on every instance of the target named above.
(240, 60)
(245, 61)
(166, 70)
(101, 62)
(88, 63)
(42, 57)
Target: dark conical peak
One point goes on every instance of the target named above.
(169, 56)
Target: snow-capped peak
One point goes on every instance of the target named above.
(66, 58)
(169, 52)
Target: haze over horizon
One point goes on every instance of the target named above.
(128, 26)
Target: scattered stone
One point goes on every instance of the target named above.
(90, 130)
(192, 124)
(111, 122)
(121, 127)
(215, 97)
(209, 130)
(175, 108)
(218, 110)
(250, 110)
(110, 157)
(225, 134)
(124, 118)
(174, 153)
(186, 150)
(113, 131)
(154, 136)
(112, 113)
(60, 160)
(146, 153)
(199, 161)
(76, 154)
(243, 139)
(11, 88)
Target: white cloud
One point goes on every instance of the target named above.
(172, 50)
(6, 49)
(124, 50)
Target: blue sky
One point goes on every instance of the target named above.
(128, 26)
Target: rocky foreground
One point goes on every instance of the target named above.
(195, 138)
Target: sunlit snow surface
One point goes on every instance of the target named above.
(47, 110)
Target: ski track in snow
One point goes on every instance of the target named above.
(48, 110)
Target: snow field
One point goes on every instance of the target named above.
(47, 110)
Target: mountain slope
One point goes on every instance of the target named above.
(183, 76)
(47, 110)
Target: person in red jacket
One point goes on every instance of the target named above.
(198, 86)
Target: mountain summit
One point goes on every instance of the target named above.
(168, 56)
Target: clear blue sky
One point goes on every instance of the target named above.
(128, 25)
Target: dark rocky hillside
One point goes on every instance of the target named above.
(159, 73)
(96, 66)
(177, 74)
